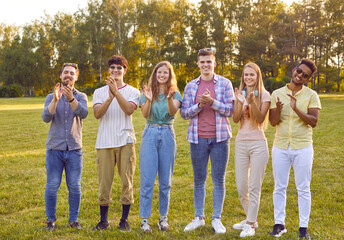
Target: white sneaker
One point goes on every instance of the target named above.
(163, 224)
(196, 223)
(217, 226)
(145, 226)
(248, 231)
(240, 225)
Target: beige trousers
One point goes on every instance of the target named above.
(107, 159)
(251, 158)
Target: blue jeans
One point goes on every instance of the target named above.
(55, 162)
(219, 153)
(157, 155)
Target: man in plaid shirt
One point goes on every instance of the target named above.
(208, 102)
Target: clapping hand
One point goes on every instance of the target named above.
(279, 104)
(239, 95)
(113, 89)
(68, 92)
(147, 93)
(171, 93)
(292, 101)
(57, 92)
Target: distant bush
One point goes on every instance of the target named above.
(271, 84)
(90, 90)
(87, 90)
(13, 90)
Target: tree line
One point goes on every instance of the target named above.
(267, 32)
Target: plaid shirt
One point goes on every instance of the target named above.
(223, 106)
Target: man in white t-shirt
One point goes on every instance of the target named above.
(113, 105)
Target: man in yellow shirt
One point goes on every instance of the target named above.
(294, 111)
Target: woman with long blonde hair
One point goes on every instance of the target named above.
(159, 103)
(251, 107)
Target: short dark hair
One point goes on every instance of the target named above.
(309, 63)
(119, 60)
(205, 52)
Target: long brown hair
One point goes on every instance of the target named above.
(153, 83)
(259, 87)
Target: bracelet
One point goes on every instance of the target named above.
(71, 100)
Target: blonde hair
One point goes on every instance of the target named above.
(260, 88)
(153, 83)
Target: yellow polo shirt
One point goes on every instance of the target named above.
(291, 129)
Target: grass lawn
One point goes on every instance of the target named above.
(22, 174)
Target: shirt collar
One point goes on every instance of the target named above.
(298, 92)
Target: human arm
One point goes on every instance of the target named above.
(275, 113)
(310, 118)
(68, 93)
(173, 104)
(189, 108)
(258, 112)
(224, 102)
(81, 109)
(146, 106)
(238, 104)
(56, 97)
(101, 107)
(126, 106)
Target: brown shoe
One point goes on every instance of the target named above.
(50, 226)
(75, 225)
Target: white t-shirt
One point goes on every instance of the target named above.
(115, 127)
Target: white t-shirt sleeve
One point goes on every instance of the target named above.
(134, 96)
(96, 97)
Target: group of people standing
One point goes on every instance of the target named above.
(208, 101)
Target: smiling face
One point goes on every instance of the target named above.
(163, 75)
(117, 71)
(298, 78)
(206, 64)
(250, 77)
(68, 76)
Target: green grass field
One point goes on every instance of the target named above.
(22, 182)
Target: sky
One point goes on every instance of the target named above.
(20, 12)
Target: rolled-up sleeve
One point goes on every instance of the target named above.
(82, 109)
(46, 115)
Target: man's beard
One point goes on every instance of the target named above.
(65, 82)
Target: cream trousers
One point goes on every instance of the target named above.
(251, 158)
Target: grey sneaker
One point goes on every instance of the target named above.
(145, 226)
(75, 225)
(163, 224)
